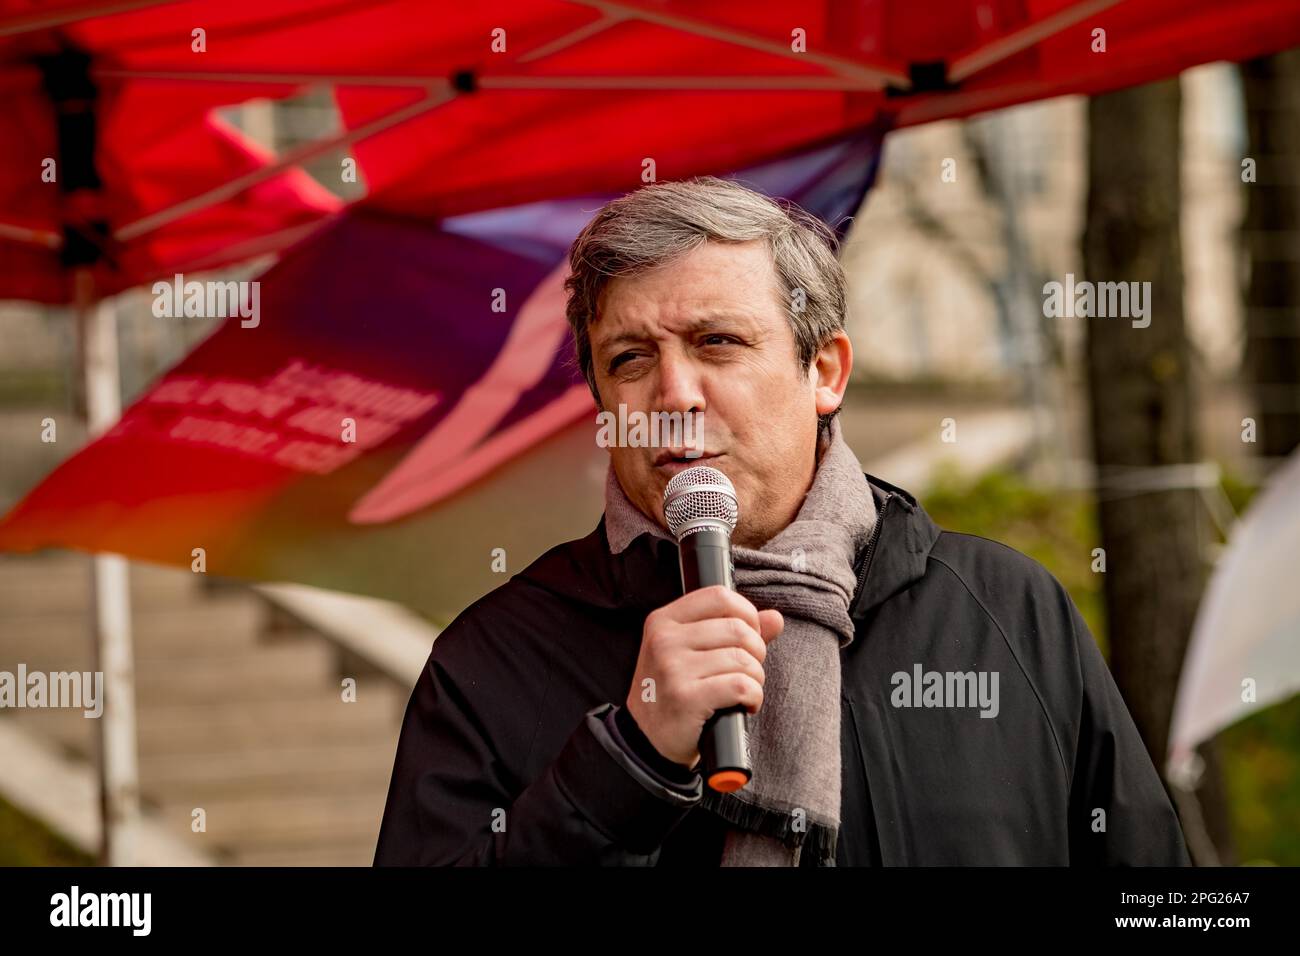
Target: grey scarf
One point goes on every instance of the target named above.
(807, 573)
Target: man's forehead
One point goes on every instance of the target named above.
(716, 285)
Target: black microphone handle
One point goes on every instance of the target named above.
(724, 741)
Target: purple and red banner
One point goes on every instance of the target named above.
(404, 402)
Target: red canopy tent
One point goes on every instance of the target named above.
(464, 107)
(489, 105)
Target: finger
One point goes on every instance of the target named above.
(722, 660)
(710, 602)
(722, 632)
(727, 690)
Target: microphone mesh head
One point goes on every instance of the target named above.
(698, 497)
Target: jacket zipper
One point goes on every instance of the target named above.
(871, 545)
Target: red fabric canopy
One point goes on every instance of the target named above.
(154, 164)
(586, 90)
(463, 107)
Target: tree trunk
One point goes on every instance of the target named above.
(1141, 401)
(1271, 236)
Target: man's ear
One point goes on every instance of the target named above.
(830, 371)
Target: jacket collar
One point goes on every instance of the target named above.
(897, 555)
(646, 574)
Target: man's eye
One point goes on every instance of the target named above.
(620, 359)
(708, 339)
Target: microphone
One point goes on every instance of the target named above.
(701, 511)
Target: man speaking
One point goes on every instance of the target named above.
(911, 696)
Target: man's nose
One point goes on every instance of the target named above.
(680, 385)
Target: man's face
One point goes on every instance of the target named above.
(708, 333)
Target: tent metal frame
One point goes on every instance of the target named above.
(846, 75)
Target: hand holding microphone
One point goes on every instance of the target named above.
(706, 649)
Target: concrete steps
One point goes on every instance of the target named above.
(59, 581)
(324, 768)
(227, 623)
(310, 721)
(249, 725)
(361, 853)
(295, 822)
(168, 727)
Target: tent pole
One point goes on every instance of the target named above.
(30, 22)
(1023, 38)
(110, 599)
(875, 74)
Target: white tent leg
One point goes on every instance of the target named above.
(110, 602)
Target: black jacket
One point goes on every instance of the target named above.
(509, 754)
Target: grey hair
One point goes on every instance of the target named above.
(656, 224)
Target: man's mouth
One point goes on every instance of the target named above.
(674, 460)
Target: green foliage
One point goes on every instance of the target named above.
(27, 842)
(28, 387)
(1239, 492)
(1261, 761)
